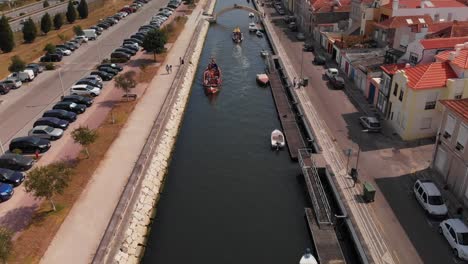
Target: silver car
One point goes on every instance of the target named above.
(370, 123)
(46, 132)
(16, 83)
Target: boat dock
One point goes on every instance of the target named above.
(286, 115)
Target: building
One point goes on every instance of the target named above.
(383, 92)
(413, 107)
(448, 29)
(424, 50)
(451, 154)
(310, 13)
(457, 58)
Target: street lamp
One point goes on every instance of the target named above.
(354, 171)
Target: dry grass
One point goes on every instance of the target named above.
(33, 242)
(175, 27)
(31, 51)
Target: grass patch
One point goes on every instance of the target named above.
(31, 51)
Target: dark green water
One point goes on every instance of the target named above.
(228, 198)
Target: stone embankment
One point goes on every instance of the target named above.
(135, 234)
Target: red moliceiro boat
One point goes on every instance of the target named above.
(212, 78)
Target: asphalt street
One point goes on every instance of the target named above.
(21, 107)
(28, 9)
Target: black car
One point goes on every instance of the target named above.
(103, 25)
(108, 70)
(308, 47)
(70, 46)
(70, 106)
(36, 68)
(61, 114)
(104, 75)
(125, 50)
(4, 89)
(134, 40)
(67, 47)
(130, 47)
(73, 43)
(120, 55)
(16, 162)
(94, 83)
(113, 66)
(52, 122)
(78, 99)
(29, 145)
(138, 36)
(52, 57)
(12, 177)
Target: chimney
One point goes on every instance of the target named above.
(465, 45)
(407, 65)
(451, 56)
(457, 52)
(459, 46)
(422, 3)
(395, 4)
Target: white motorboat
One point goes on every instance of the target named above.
(251, 15)
(277, 139)
(262, 79)
(264, 53)
(259, 34)
(252, 27)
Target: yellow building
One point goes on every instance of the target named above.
(414, 109)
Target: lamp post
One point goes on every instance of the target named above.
(61, 81)
(354, 171)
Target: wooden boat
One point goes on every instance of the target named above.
(237, 35)
(212, 77)
(262, 79)
(259, 34)
(277, 139)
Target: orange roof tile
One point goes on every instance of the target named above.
(397, 22)
(427, 76)
(438, 43)
(417, 4)
(461, 60)
(459, 107)
(322, 6)
(448, 29)
(392, 68)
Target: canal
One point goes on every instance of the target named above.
(228, 198)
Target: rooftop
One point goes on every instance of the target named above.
(448, 29)
(324, 6)
(460, 60)
(438, 43)
(428, 76)
(427, 4)
(458, 106)
(392, 68)
(400, 21)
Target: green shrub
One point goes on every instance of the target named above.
(49, 66)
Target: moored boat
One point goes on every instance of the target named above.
(264, 53)
(251, 15)
(262, 79)
(212, 77)
(277, 139)
(252, 27)
(237, 35)
(259, 34)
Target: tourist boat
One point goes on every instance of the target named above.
(251, 15)
(259, 34)
(212, 77)
(277, 139)
(252, 27)
(262, 79)
(237, 35)
(264, 53)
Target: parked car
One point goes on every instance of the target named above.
(4, 89)
(70, 106)
(319, 60)
(12, 177)
(36, 68)
(429, 197)
(292, 26)
(61, 114)
(103, 25)
(121, 56)
(29, 145)
(370, 123)
(112, 65)
(93, 77)
(73, 43)
(130, 46)
(78, 99)
(337, 82)
(52, 122)
(51, 57)
(65, 46)
(331, 72)
(125, 50)
(11, 84)
(16, 162)
(134, 40)
(300, 36)
(82, 38)
(16, 83)
(456, 234)
(86, 90)
(26, 75)
(63, 51)
(104, 75)
(94, 83)
(138, 36)
(308, 47)
(46, 132)
(6, 191)
(108, 70)
(131, 43)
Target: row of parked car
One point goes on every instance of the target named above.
(54, 122)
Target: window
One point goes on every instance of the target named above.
(462, 137)
(413, 59)
(436, 17)
(395, 91)
(431, 101)
(458, 96)
(449, 126)
(384, 36)
(401, 95)
(426, 123)
(452, 233)
(424, 196)
(376, 34)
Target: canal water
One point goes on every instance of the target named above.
(228, 198)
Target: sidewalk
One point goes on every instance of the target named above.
(80, 234)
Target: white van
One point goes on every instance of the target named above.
(430, 198)
(24, 76)
(90, 34)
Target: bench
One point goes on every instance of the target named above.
(129, 96)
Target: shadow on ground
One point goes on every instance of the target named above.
(17, 219)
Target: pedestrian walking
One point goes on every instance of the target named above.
(170, 68)
(294, 82)
(167, 68)
(180, 60)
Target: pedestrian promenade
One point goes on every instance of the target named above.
(362, 215)
(80, 234)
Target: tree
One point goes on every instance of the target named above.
(7, 41)
(71, 13)
(78, 30)
(85, 137)
(5, 243)
(47, 181)
(154, 42)
(46, 23)
(17, 64)
(126, 82)
(29, 31)
(45, 4)
(50, 48)
(58, 21)
(83, 9)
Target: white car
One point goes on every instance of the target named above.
(93, 77)
(82, 38)
(456, 233)
(134, 44)
(86, 90)
(46, 132)
(13, 81)
(331, 72)
(65, 52)
(429, 197)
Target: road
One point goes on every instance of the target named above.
(28, 9)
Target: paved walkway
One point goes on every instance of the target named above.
(80, 234)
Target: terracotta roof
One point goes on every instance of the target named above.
(324, 6)
(400, 21)
(417, 4)
(427, 76)
(458, 106)
(461, 60)
(448, 29)
(392, 68)
(438, 43)
(434, 27)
